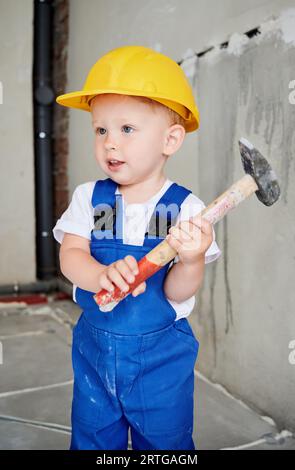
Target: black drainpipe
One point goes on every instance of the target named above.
(43, 96)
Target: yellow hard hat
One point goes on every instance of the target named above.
(138, 71)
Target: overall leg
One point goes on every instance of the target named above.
(97, 419)
(165, 391)
(89, 437)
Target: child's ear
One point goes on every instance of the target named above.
(174, 137)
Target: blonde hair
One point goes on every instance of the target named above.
(172, 116)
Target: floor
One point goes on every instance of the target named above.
(36, 388)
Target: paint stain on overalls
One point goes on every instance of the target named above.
(134, 366)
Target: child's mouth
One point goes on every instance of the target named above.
(114, 165)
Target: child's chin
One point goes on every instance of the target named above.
(118, 177)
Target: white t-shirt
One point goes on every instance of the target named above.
(78, 219)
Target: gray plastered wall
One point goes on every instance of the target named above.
(245, 318)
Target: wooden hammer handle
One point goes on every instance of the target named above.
(163, 253)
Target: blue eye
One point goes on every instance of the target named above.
(98, 129)
(127, 127)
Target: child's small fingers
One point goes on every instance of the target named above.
(173, 242)
(206, 227)
(187, 230)
(132, 264)
(140, 289)
(106, 283)
(116, 277)
(125, 270)
(179, 233)
(203, 224)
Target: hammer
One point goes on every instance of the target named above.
(259, 178)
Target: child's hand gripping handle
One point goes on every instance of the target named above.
(163, 253)
(147, 266)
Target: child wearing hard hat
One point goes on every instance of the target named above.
(134, 366)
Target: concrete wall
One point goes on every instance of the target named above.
(244, 315)
(245, 320)
(17, 208)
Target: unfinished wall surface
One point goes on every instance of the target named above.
(245, 319)
(17, 208)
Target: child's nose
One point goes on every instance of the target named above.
(111, 146)
(111, 143)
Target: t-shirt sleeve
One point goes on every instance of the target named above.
(183, 308)
(78, 217)
(190, 207)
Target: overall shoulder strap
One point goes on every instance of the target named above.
(104, 192)
(166, 211)
(107, 208)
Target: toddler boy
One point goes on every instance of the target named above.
(134, 366)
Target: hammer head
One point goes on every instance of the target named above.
(257, 166)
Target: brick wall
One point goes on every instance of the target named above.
(60, 113)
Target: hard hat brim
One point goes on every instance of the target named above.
(80, 100)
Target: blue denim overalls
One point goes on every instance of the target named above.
(133, 366)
